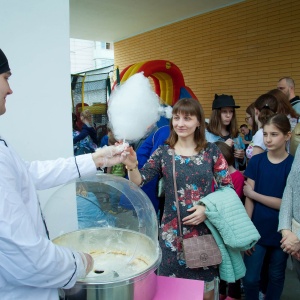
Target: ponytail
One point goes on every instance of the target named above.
(267, 106)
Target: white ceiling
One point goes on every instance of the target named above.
(115, 20)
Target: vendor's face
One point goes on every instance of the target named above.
(5, 90)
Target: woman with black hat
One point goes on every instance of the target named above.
(223, 127)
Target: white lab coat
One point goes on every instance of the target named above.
(31, 266)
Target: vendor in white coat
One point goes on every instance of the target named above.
(31, 266)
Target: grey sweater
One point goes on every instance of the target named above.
(290, 204)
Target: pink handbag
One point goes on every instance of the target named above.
(199, 251)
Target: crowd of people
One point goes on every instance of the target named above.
(257, 166)
(207, 159)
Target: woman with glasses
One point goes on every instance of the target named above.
(264, 107)
(250, 118)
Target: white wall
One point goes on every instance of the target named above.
(34, 35)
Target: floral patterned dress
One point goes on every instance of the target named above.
(194, 178)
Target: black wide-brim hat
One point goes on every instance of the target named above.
(4, 67)
(223, 101)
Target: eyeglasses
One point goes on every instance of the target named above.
(247, 118)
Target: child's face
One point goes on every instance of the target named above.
(226, 115)
(274, 139)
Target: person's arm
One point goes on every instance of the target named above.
(47, 174)
(272, 202)
(28, 257)
(290, 242)
(249, 205)
(286, 207)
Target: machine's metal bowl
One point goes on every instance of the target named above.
(124, 264)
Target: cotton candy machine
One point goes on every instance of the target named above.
(113, 220)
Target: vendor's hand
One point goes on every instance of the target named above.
(110, 151)
(109, 156)
(289, 242)
(247, 189)
(88, 262)
(229, 142)
(198, 215)
(239, 153)
(250, 251)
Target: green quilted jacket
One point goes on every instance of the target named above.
(232, 229)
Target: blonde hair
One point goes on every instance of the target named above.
(86, 114)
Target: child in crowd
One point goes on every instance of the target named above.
(265, 106)
(223, 127)
(266, 174)
(234, 289)
(236, 176)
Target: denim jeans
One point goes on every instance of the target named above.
(277, 266)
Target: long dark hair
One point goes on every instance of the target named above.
(250, 111)
(227, 151)
(284, 105)
(215, 124)
(191, 107)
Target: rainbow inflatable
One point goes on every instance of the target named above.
(167, 79)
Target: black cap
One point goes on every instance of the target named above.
(4, 67)
(223, 101)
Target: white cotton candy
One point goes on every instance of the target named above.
(133, 108)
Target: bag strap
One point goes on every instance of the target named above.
(175, 192)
